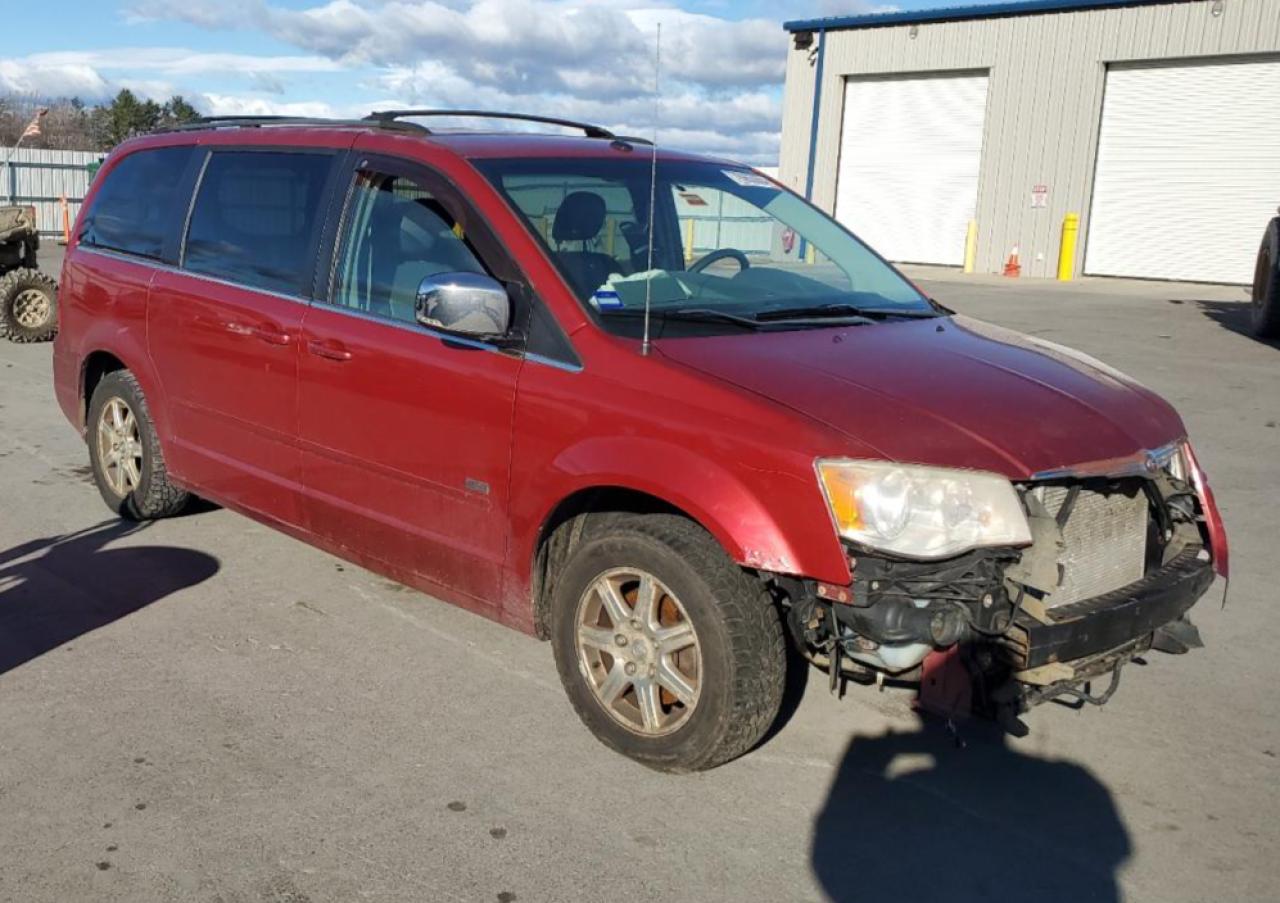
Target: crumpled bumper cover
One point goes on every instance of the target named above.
(1104, 622)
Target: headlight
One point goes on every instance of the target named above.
(921, 512)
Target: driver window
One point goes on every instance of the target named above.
(395, 235)
(718, 230)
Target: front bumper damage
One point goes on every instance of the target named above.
(981, 633)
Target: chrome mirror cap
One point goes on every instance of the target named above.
(464, 303)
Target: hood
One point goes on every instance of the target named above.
(950, 392)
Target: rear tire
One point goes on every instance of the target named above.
(731, 656)
(28, 306)
(125, 454)
(1266, 286)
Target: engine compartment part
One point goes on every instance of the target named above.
(1112, 569)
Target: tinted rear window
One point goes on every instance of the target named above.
(136, 209)
(255, 216)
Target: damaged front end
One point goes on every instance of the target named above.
(1115, 561)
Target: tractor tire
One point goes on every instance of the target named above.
(28, 306)
(1266, 286)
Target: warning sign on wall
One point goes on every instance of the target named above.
(1039, 195)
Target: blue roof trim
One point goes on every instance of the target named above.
(953, 13)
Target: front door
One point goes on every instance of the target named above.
(405, 432)
(223, 329)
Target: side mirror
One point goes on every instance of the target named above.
(463, 303)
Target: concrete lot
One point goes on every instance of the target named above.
(203, 709)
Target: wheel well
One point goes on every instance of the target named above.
(566, 527)
(96, 366)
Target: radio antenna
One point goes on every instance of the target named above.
(653, 186)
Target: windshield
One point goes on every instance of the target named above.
(731, 249)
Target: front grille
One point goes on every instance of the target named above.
(1105, 542)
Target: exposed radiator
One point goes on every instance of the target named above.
(1105, 539)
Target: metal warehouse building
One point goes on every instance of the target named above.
(1157, 123)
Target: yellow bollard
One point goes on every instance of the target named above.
(688, 240)
(971, 246)
(1067, 252)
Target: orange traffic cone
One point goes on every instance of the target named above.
(1011, 266)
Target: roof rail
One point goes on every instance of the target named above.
(384, 117)
(243, 122)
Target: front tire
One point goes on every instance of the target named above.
(671, 654)
(28, 306)
(125, 454)
(1266, 286)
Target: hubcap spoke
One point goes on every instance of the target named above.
(675, 683)
(614, 605)
(647, 601)
(673, 639)
(596, 637)
(132, 477)
(614, 684)
(649, 705)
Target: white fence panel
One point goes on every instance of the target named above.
(42, 177)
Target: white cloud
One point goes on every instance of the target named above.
(180, 61)
(232, 105)
(20, 77)
(588, 59)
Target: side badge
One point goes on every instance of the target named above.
(477, 486)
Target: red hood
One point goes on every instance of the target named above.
(951, 392)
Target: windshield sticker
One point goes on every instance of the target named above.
(606, 299)
(748, 179)
(693, 200)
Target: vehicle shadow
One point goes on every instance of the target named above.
(912, 817)
(1234, 316)
(55, 589)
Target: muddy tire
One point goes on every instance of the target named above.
(125, 454)
(671, 654)
(28, 306)
(1266, 286)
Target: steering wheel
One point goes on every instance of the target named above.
(707, 259)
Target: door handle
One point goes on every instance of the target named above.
(329, 351)
(271, 336)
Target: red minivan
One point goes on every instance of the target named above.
(651, 406)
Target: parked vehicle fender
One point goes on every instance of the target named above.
(122, 287)
(777, 523)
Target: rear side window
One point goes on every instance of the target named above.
(136, 209)
(255, 216)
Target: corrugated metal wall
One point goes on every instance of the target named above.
(1044, 101)
(42, 177)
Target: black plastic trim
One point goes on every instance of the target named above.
(1104, 622)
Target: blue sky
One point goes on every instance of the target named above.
(589, 59)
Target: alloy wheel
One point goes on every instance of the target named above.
(120, 447)
(639, 651)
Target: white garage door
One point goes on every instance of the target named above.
(1188, 171)
(909, 153)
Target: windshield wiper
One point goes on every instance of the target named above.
(693, 314)
(840, 311)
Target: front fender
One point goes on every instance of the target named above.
(764, 518)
